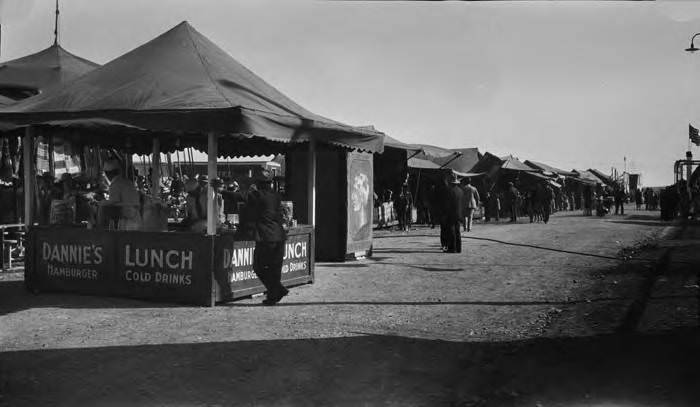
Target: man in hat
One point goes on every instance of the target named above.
(265, 209)
(512, 195)
(471, 197)
(454, 215)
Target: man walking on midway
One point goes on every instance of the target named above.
(512, 201)
(266, 212)
(454, 215)
(547, 198)
(471, 197)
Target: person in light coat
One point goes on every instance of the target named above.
(471, 198)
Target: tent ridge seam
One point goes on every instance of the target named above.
(204, 67)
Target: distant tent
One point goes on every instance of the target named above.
(391, 142)
(465, 160)
(182, 86)
(587, 177)
(605, 180)
(432, 152)
(512, 163)
(547, 168)
(36, 73)
(422, 164)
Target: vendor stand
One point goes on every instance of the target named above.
(179, 90)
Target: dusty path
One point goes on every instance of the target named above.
(411, 325)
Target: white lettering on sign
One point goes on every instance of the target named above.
(158, 258)
(71, 272)
(243, 275)
(294, 250)
(294, 266)
(72, 253)
(240, 257)
(158, 277)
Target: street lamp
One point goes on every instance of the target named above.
(693, 48)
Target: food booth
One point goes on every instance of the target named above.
(178, 90)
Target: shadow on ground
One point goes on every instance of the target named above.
(658, 369)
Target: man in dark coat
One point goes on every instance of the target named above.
(266, 213)
(512, 195)
(454, 216)
(620, 197)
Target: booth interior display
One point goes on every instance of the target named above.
(181, 91)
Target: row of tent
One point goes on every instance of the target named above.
(182, 83)
(470, 162)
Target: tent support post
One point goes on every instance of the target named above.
(311, 183)
(52, 163)
(28, 158)
(212, 210)
(155, 175)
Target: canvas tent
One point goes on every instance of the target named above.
(181, 90)
(549, 169)
(464, 160)
(24, 77)
(182, 84)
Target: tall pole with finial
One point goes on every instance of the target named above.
(55, 27)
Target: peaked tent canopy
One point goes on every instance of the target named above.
(36, 73)
(605, 180)
(587, 177)
(181, 83)
(400, 145)
(422, 164)
(512, 163)
(433, 152)
(465, 160)
(546, 168)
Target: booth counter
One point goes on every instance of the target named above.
(163, 266)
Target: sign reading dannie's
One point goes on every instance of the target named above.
(71, 260)
(237, 261)
(62, 260)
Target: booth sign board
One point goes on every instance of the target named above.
(360, 197)
(178, 267)
(234, 274)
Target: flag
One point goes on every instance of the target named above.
(694, 135)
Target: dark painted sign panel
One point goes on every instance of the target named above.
(234, 263)
(65, 260)
(163, 265)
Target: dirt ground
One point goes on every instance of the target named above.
(579, 312)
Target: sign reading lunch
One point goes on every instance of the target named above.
(238, 260)
(159, 260)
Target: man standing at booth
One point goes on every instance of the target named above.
(123, 193)
(265, 207)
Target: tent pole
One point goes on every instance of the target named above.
(311, 183)
(52, 163)
(155, 174)
(179, 167)
(28, 146)
(170, 164)
(212, 210)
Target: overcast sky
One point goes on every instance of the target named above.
(571, 84)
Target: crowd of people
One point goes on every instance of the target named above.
(453, 203)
